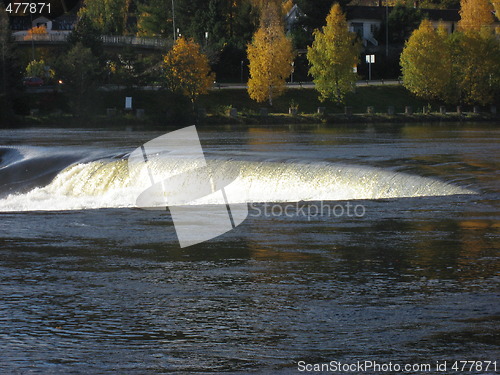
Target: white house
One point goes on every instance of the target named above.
(367, 20)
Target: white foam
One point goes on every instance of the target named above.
(109, 184)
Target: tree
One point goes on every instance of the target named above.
(87, 34)
(155, 19)
(332, 56)
(187, 69)
(316, 11)
(109, 16)
(38, 68)
(478, 64)
(403, 19)
(79, 70)
(270, 55)
(475, 14)
(5, 48)
(427, 64)
(496, 7)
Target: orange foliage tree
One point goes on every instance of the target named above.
(187, 69)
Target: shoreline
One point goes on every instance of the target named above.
(68, 121)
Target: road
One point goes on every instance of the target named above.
(219, 86)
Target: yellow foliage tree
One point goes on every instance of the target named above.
(475, 14)
(270, 55)
(187, 69)
(478, 64)
(496, 7)
(427, 64)
(287, 6)
(333, 55)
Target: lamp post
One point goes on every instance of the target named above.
(370, 59)
(241, 74)
(293, 69)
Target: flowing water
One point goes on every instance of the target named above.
(361, 244)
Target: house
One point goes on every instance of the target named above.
(292, 17)
(367, 20)
(60, 26)
(42, 21)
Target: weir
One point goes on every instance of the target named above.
(110, 183)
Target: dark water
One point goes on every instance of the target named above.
(415, 280)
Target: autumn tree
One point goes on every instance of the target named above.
(496, 7)
(187, 69)
(475, 14)
(478, 65)
(270, 55)
(427, 64)
(333, 55)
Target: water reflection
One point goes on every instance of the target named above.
(111, 291)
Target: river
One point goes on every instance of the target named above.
(386, 250)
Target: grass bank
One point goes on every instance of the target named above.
(161, 108)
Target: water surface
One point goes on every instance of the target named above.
(109, 290)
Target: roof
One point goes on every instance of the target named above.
(378, 13)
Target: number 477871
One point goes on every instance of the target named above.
(468, 366)
(24, 8)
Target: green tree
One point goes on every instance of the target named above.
(79, 70)
(38, 68)
(477, 60)
(87, 34)
(5, 48)
(332, 56)
(270, 55)
(403, 19)
(316, 12)
(427, 64)
(109, 16)
(187, 69)
(155, 19)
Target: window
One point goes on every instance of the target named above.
(357, 27)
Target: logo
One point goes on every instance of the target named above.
(198, 196)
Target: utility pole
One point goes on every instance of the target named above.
(173, 20)
(32, 41)
(387, 28)
(65, 8)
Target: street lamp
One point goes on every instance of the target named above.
(241, 74)
(370, 59)
(293, 70)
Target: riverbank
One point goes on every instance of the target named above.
(158, 109)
